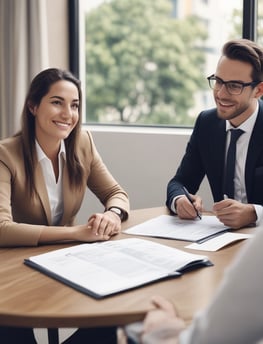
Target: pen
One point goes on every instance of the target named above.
(191, 201)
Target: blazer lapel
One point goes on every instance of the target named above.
(42, 192)
(68, 198)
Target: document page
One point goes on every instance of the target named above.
(112, 266)
(219, 241)
(172, 227)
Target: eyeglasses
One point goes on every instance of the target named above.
(233, 87)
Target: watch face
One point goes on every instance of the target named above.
(117, 211)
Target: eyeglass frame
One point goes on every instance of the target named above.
(226, 83)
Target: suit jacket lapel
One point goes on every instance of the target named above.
(217, 151)
(255, 147)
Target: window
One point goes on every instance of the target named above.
(145, 62)
(259, 33)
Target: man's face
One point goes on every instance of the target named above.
(235, 108)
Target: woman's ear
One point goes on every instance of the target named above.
(32, 108)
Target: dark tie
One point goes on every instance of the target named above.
(231, 163)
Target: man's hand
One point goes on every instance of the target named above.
(234, 214)
(185, 209)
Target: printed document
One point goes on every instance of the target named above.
(172, 227)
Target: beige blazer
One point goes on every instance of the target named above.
(22, 219)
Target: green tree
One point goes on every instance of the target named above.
(260, 23)
(142, 63)
(237, 23)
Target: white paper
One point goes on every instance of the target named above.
(112, 266)
(219, 241)
(172, 227)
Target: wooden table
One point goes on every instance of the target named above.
(29, 298)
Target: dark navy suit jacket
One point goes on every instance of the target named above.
(205, 155)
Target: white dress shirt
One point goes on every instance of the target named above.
(54, 187)
(241, 156)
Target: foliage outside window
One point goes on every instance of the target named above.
(146, 64)
(260, 22)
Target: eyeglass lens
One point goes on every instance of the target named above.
(232, 87)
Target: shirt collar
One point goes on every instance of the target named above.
(41, 155)
(246, 126)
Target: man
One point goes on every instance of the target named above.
(237, 86)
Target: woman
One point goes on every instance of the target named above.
(46, 167)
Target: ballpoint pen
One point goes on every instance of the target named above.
(192, 202)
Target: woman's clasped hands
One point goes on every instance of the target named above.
(100, 226)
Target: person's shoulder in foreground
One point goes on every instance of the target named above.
(234, 315)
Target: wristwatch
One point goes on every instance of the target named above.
(117, 211)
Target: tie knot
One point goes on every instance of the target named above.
(235, 134)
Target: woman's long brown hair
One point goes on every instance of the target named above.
(39, 87)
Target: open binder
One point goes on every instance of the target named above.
(106, 268)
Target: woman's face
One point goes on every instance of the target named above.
(57, 114)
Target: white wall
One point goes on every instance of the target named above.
(142, 160)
